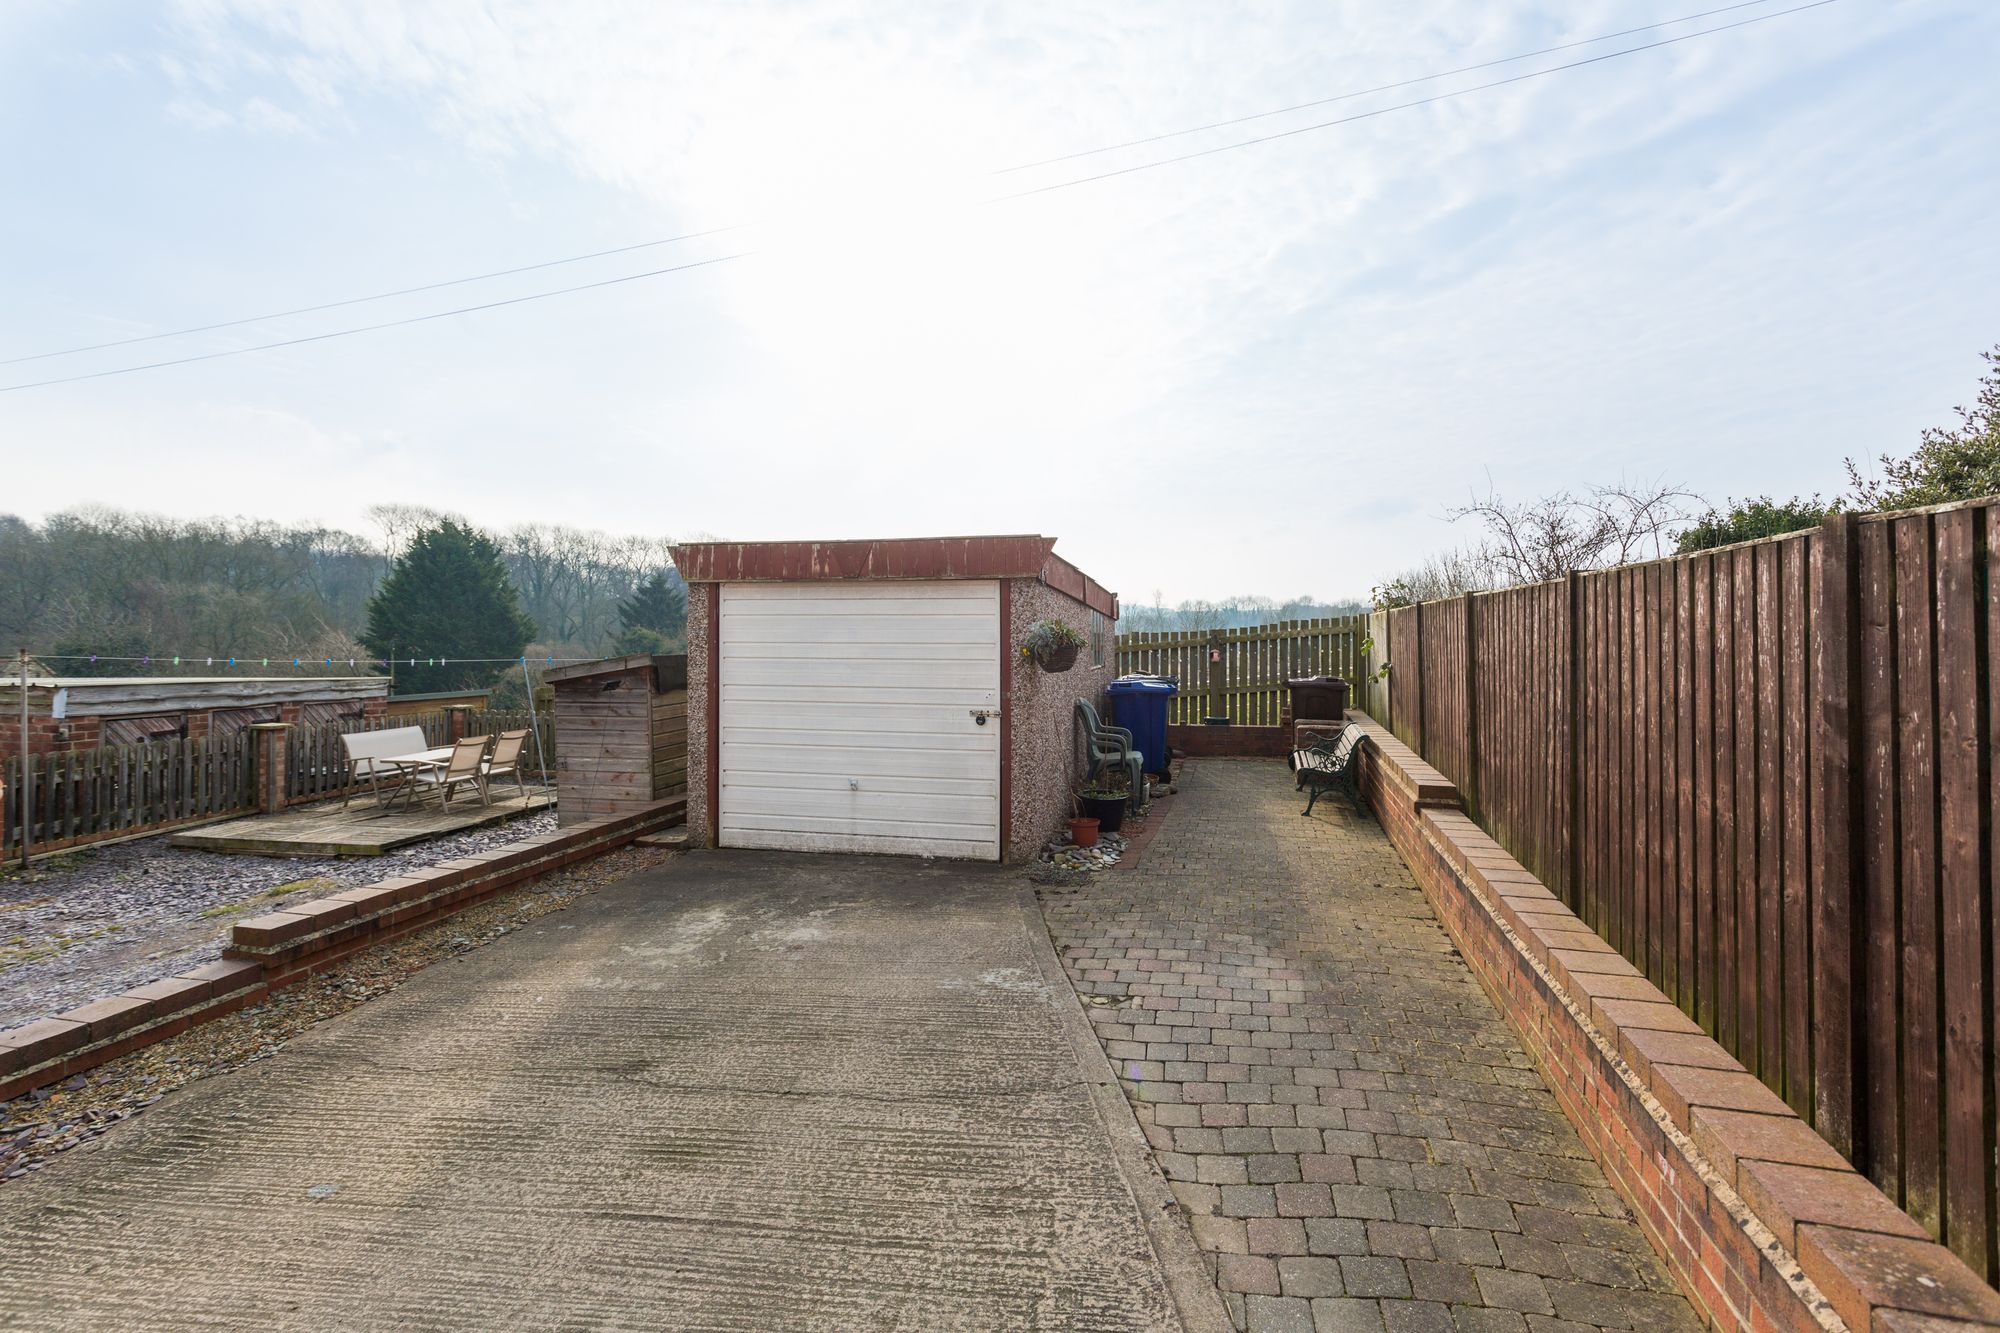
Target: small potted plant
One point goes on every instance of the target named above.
(1052, 644)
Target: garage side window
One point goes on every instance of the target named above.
(1098, 635)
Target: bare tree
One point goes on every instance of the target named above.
(1537, 540)
(1468, 569)
(1198, 614)
(399, 523)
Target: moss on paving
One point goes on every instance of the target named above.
(20, 949)
(319, 884)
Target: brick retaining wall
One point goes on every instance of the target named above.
(1762, 1223)
(1230, 742)
(269, 952)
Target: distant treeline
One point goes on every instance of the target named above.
(114, 584)
(1231, 613)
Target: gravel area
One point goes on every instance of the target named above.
(76, 1113)
(93, 922)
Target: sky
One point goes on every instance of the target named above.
(1728, 263)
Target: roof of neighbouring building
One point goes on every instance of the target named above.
(441, 694)
(670, 671)
(106, 695)
(1004, 557)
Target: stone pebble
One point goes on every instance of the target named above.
(96, 921)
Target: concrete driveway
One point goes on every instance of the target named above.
(743, 1091)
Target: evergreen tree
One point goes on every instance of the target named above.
(639, 639)
(1749, 520)
(447, 599)
(654, 617)
(1959, 462)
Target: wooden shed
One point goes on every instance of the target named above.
(621, 734)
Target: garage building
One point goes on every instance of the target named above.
(870, 696)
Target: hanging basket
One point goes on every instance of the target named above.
(1058, 660)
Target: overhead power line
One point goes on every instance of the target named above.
(1378, 88)
(385, 324)
(378, 296)
(1401, 106)
(1001, 198)
(1002, 171)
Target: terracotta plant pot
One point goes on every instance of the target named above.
(1083, 832)
(1061, 660)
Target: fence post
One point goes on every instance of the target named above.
(268, 754)
(1573, 707)
(1381, 699)
(1417, 730)
(1837, 944)
(1218, 661)
(455, 716)
(1469, 785)
(27, 771)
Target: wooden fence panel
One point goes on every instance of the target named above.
(1443, 651)
(1244, 670)
(1796, 839)
(1406, 674)
(1520, 754)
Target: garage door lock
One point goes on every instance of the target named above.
(980, 715)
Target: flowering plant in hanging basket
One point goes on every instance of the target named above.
(1052, 644)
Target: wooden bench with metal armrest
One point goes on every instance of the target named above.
(1327, 761)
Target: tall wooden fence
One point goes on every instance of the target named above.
(1766, 775)
(117, 790)
(1240, 674)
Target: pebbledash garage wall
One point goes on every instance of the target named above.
(1037, 753)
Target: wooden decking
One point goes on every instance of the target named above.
(362, 829)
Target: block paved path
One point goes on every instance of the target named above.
(742, 1091)
(1358, 1138)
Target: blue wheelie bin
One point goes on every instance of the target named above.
(1139, 704)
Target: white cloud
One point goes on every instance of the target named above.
(1611, 269)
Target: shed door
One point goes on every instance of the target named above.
(847, 717)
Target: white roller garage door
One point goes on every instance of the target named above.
(847, 717)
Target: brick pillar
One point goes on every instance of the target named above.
(270, 759)
(456, 718)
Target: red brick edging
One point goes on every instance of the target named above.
(270, 952)
(1762, 1223)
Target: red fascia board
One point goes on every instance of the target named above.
(1013, 557)
(1010, 557)
(1072, 582)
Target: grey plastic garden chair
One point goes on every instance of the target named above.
(1105, 745)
